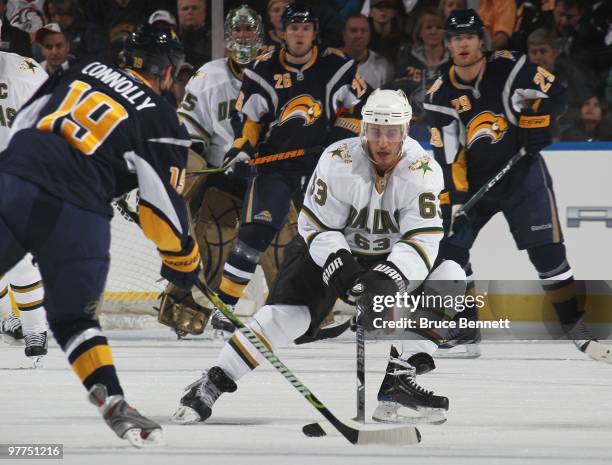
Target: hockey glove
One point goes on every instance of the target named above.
(178, 267)
(535, 132)
(236, 158)
(340, 272)
(459, 220)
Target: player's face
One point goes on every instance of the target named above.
(385, 143)
(299, 38)
(543, 55)
(465, 49)
(244, 34)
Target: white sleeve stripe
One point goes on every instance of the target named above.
(508, 85)
(152, 189)
(267, 87)
(172, 141)
(333, 81)
(440, 109)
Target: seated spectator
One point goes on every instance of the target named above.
(374, 68)
(593, 125)
(543, 50)
(84, 40)
(530, 15)
(498, 17)
(193, 32)
(55, 48)
(447, 6)
(11, 38)
(420, 64)
(163, 19)
(274, 35)
(386, 29)
(330, 34)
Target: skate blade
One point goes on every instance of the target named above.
(137, 438)
(220, 335)
(185, 416)
(387, 412)
(37, 361)
(598, 351)
(460, 351)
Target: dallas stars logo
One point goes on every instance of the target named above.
(421, 164)
(343, 153)
(28, 65)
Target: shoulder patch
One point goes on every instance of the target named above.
(334, 51)
(421, 165)
(28, 65)
(435, 86)
(342, 152)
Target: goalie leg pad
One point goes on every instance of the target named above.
(181, 312)
(194, 184)
(216, 231)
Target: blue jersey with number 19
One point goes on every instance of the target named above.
(95, 132)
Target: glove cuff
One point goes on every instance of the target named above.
(392, 272)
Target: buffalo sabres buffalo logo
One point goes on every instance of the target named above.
(303, 106)
(486, 124)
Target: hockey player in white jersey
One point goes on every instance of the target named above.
(215, 201)
(369, 226)
(19, 78)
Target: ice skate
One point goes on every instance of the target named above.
(586, 342)
(12, 332)
(402, 400)
(124, 420)
(461, 342)
(199, 397)
(223, 328)
(36, 347)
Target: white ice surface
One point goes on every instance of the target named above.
(520, 403)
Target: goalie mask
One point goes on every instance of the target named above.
(243, 34)
(386, 115)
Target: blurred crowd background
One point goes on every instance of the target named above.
(398, 44)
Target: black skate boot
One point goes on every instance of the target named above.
(461, 342)
(36, 347)
(400, 390)
(222, 326)
(124, 420)
(199, 397)
(12, 332)
(586, 342)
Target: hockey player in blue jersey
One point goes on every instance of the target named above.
(88, 135)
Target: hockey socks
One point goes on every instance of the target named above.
(90, 357)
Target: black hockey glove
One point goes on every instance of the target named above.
(383, 279)
(458, 220)
(535, 132)
(340, 272)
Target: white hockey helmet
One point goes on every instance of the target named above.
(243, 50)
(385, 107)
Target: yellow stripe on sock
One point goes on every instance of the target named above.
(237, 345)
(92, 359)
(229, 287)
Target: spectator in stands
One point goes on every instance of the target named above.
(543, 50)
(55, 48)
(12, 39)
(330, 34)
(84, 40)
(373, 67)
(348, 7)
(274, 35)
(386, 29)
(499, 17)
(163, 19)
(193, 32)
(530, 15)
(593, 125)
(446, 6)
(420, 64)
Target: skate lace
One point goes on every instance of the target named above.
(207, 391)
(409, 374)
(217, 315)
(11, 323)
(36, 339)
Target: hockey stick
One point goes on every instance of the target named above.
(354, 432)
(490, 183)
(265, 159)
(360, 336)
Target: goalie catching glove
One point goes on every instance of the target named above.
(180, 311)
